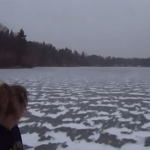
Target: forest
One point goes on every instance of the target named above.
(17, 52)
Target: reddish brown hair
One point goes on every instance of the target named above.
(6, 94)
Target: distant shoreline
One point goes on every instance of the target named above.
(19, 67)
(17, 52)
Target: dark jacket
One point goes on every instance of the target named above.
(10, 139)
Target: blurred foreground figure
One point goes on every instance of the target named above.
(13, 103)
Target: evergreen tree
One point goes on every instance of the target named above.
(21, 45)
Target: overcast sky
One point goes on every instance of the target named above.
(104, 27)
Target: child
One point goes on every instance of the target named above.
(13, 103)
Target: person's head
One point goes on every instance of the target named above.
(13, 101)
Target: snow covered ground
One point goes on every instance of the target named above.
(85, 108)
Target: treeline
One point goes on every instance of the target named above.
(16, 51)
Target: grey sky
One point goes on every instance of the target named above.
(103, 27)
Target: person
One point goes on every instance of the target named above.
(13, 103)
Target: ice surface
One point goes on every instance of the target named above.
(84, 112)
(58, 114)
(146, 125)
(85, 102)
(123, 109)
(136, 93)
(67, 119)
(117, 114)
(99, 118)
(103, 113)
(131, 106)
(103, 105)
(75, 108)
(74, 98)
(135, 122)
(36, 112)
(134, 147)
(26, 124)
(147, 116)
(32, 140)
(147, 102)
(77, 119)
(95, 136)
(93, 100)
(76, 126)
(136, 112)
(125, 119)
(61, 137)
(48, 125)
(24, 119)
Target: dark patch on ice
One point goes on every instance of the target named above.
(50, 146)
(43, 138)
(26, 146)
(147, 142)
(112, 140)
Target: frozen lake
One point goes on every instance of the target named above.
(85, 108)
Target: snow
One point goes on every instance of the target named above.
(61, 137)
(144, 108)
(35, 112)
(57, 115)
(105, 101)
(103, 113)
(41, 99)
(129, 98)
(146, 125)
(68, 125)
(139, 136)
(136, 93)
(26, 124)
(85, 102)
(147, 102)
(48, 125)
(117, 114)
(61, 108)
(125, 119)
(135, 122)
(77, 119)
(24, 119)
(95, 136)
(84, 112)
(103, 92)
(136, 112)
(147, 116)
(75, 108)
(103, 105)
(73, 98)
(32, 140)
(67, 119)
(134, 147)
(99, 118)
(94, 98)
(54, 97)
(116, 92)
(117, 131)
(76, 126)
(123, 109)
(30, 149)
(81, 112)
(34, 93)
(131, 106)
